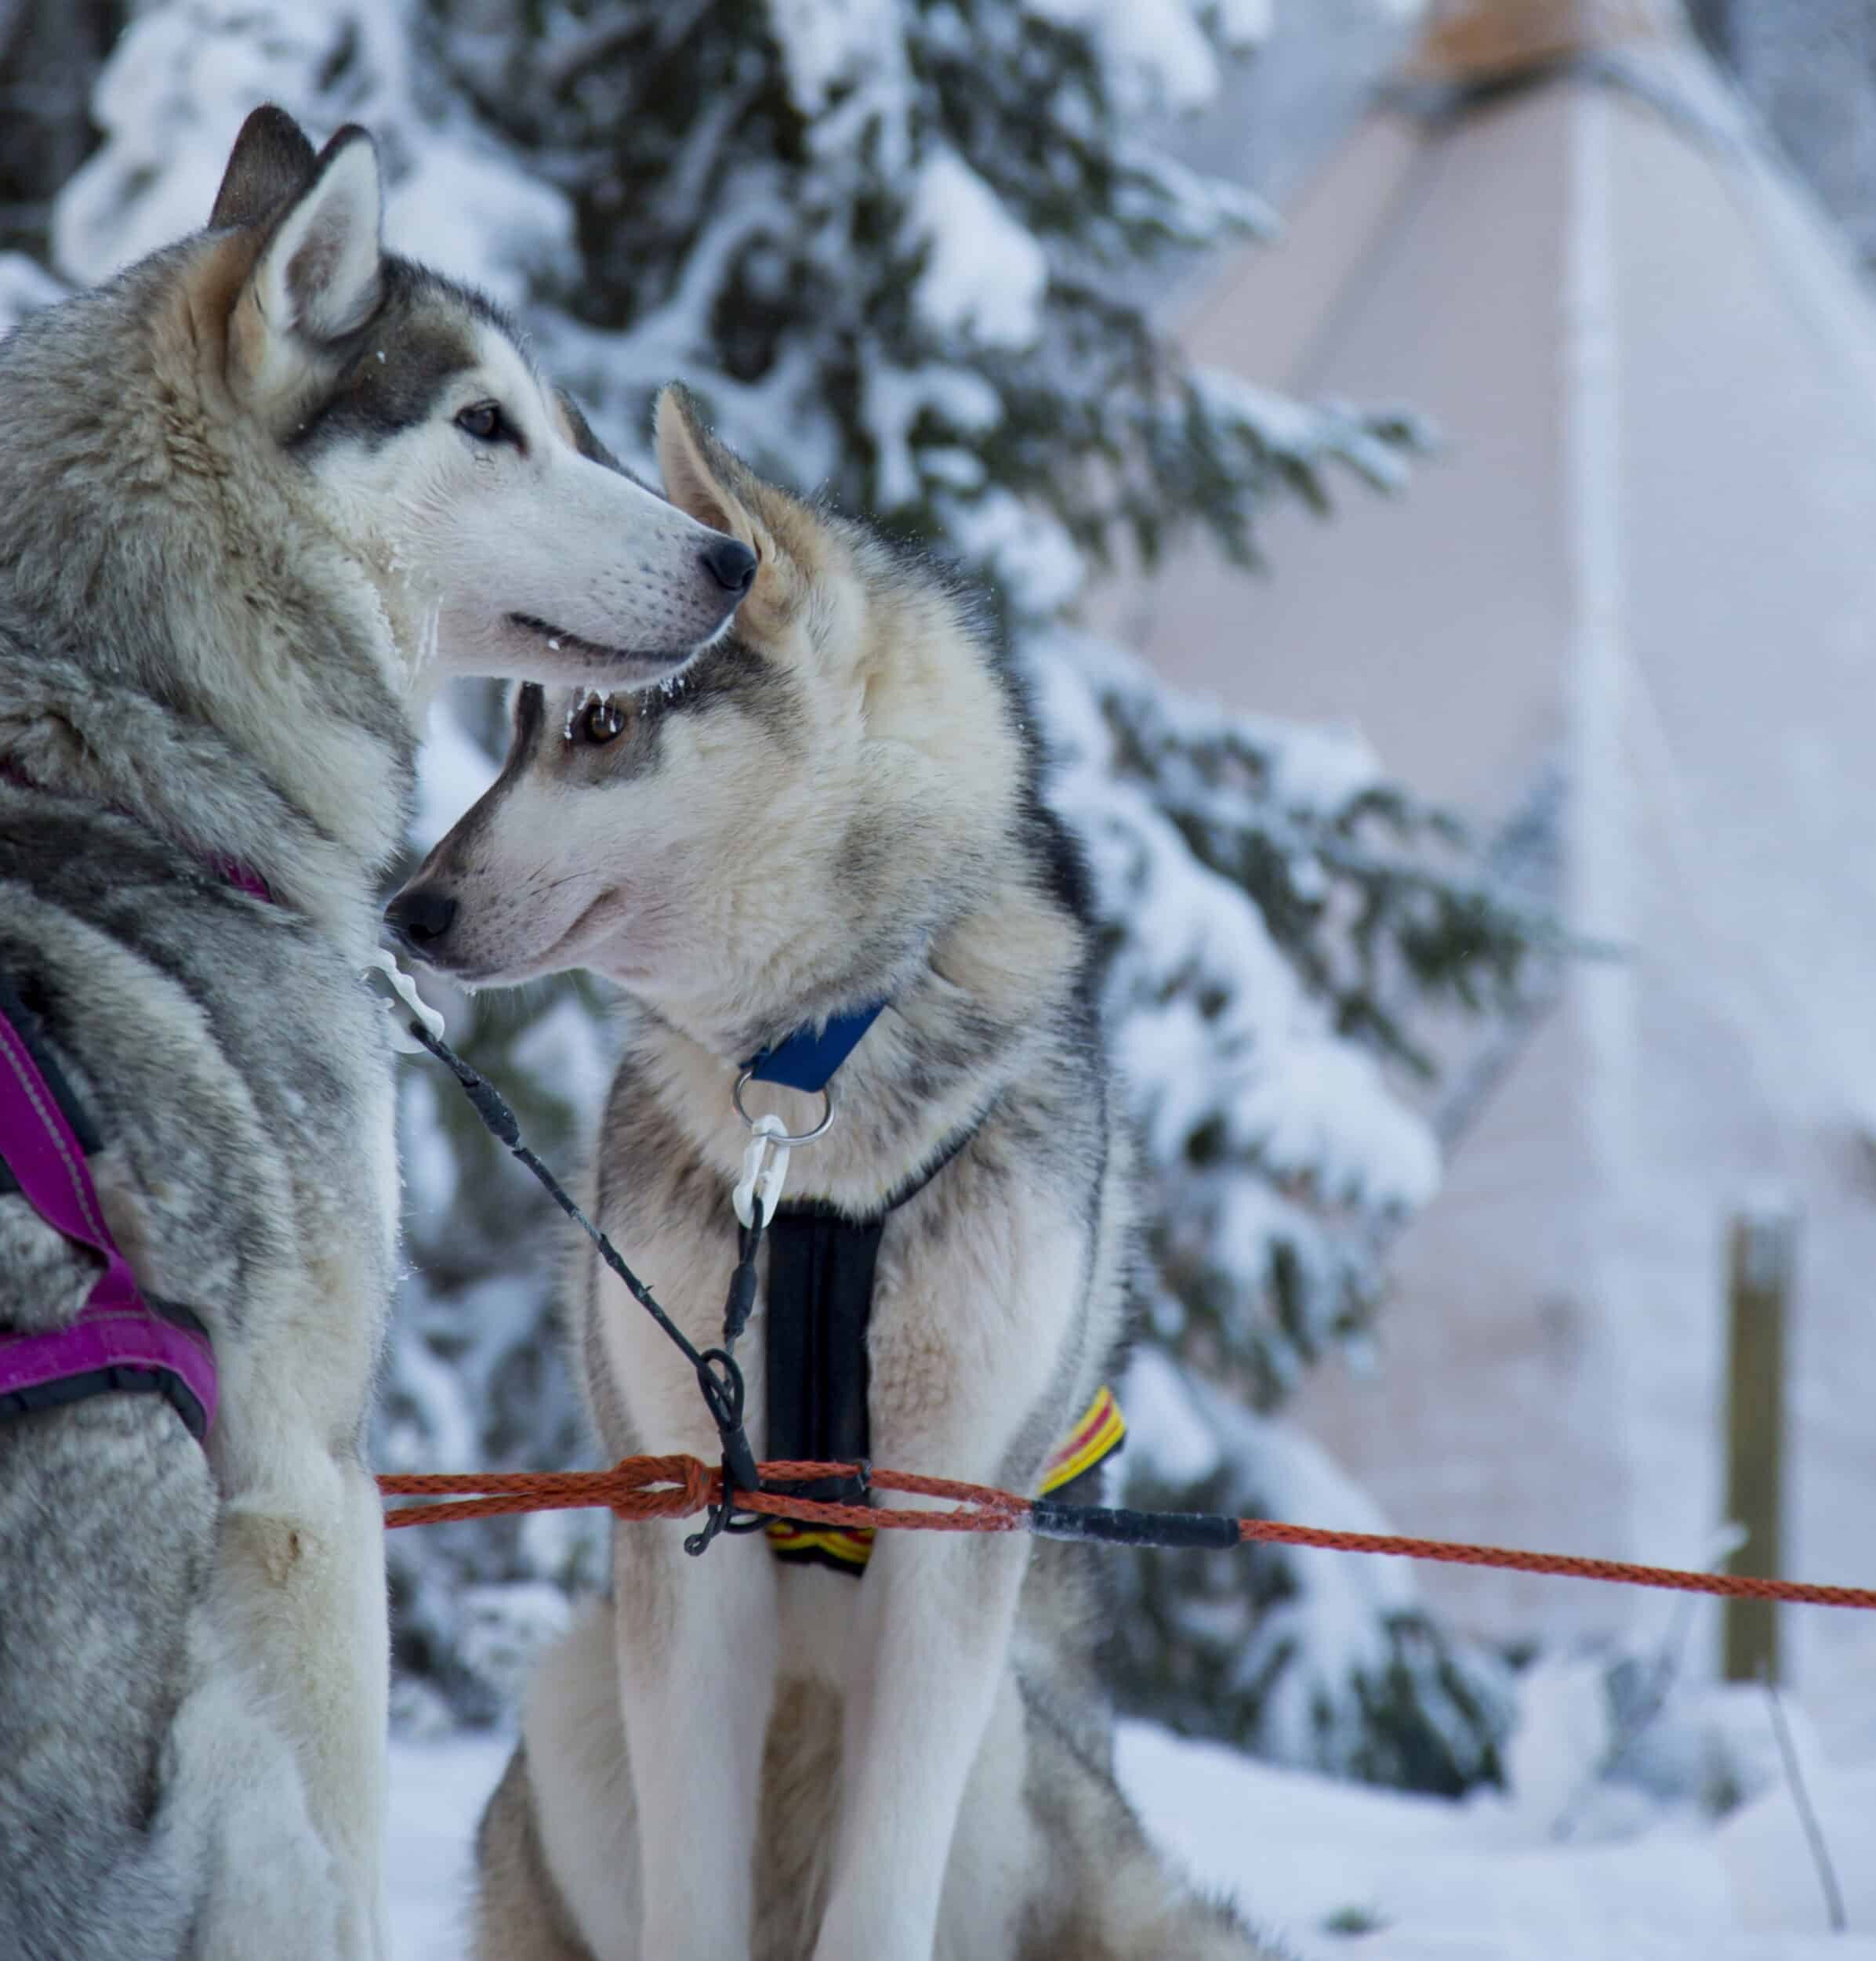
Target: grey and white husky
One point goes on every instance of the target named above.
(255, 493)
(836, 805)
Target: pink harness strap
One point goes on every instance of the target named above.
(117, 1341)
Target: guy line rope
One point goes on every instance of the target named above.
(648, 1488)
(680, 1486)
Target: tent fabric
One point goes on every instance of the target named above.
(1643, 564)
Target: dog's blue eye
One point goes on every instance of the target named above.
(485, 422)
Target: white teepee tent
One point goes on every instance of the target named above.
(1643, 572)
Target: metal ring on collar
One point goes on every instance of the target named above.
(787, 1139)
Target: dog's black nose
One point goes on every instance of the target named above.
(732, 565)
(421, 915)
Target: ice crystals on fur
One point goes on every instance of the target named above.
(581, 703)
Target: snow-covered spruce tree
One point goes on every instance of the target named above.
(897, 248)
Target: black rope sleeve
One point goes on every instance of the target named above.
(1181, 1531)
(490, 1104)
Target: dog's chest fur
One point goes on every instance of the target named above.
(997, 1301)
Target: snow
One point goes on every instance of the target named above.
(430, 1165)
(504, 1630)
(183, 78)
(453, 769)
(1304, 1668)
(1161, 57)
(893, 400)
(983, 275)
(1039, 566)
(1320, 770)
(170, 101)
(1161, 1433)
(1303, 1100)
(826, 42)
(1309, 1859)
(1244, 23)
(472, 215)
(1764, 1846)
(1314, 429)
(438, 1792)
(1486, 1878)
(566, 1047)
(25, 286)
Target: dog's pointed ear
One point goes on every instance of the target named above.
(271, 160)
(701, 477)
(320, 275)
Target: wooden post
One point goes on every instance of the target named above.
(1760, 1250)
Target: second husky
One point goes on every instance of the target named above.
(837, 806)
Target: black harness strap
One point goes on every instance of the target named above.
(22, 1009)
(821, 1268)
(822, 1265)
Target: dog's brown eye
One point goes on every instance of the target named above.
(484, 421)
(601, 721)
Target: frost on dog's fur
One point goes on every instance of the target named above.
(838, 804)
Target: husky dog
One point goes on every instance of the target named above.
(255, 493)
(836, 805)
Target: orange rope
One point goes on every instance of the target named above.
(1569, 1565)
(678, 1487)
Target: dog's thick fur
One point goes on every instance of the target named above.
(250, 502)
(838, 803)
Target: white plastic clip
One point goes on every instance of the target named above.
(385, 963)
(764, 1169)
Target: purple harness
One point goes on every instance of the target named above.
(119, 1342)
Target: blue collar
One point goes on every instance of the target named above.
(809, 1058)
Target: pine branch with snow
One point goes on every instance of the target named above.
(1308, 1658)
(879, 240)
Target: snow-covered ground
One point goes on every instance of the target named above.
(1334, 1871)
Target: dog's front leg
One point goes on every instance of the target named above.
(302, 1575)
(963, 1365)
(696, 1673)
(938, 1610)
